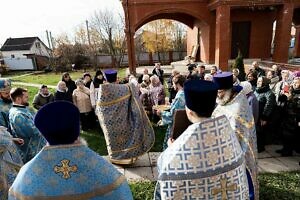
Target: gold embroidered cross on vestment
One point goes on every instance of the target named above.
(223, 190)
(65, 169)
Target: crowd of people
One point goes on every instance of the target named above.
(233, 118)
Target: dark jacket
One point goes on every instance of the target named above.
(292, 114)
(160, 75)
(260, 72)
(87, 84)
(267, 102)
(63, 96)
(71, 86)
(40, 101)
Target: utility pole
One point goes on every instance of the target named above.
(48, 39)
(88, 32)
(51, 40)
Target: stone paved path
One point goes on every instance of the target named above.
(269, 161)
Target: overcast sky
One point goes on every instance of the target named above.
(28, 18)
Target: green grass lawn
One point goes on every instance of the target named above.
(52, 78)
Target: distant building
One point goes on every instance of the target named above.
(28, 53)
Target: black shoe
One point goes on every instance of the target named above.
(262, 149)
(279, 151)
(287, 153)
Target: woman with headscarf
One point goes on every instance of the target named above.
(266, 99)
(157, 92)
(247, 90)
(69, 82)
(274, 79)
(81, 99)
(291, 120)
(94, 88)
(282, 88)
(87, 80)
(251, 77)
(62, 93)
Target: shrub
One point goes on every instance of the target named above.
(239, 64)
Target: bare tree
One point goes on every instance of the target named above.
(179, 41)
(67, 53)
(110, 29)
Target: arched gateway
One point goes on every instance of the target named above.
(221, 27)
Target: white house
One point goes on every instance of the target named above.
(28, 53)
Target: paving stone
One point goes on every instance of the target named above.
(292, 163)
(271, 165)
(143, 161)
(272, 148)
(153, 157)
(264, 154)
(139, 174)
(155, 173)
(260, 170)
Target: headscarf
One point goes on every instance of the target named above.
(96, 80)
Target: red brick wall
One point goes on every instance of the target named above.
(261, 31)
(191, 39)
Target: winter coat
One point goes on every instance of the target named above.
(292, 113)
(39, 100)
(81, 99)
(63, 96)
(267, 102)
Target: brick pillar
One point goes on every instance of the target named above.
(283, 33)
(297, 42)
(222, 50)
(130, 51)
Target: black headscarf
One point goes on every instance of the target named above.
(96, 80)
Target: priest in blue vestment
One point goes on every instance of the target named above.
(5, 101)
(66, 168)
(126, 127)
(22, 126)
(234, 105)
(206, 161)
(10, 161)
(167, 117)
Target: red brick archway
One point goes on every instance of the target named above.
(215, 18)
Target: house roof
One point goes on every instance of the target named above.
(19, 44)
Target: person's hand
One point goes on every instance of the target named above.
(158, 112)
(289, 95)
(18, 141)
(263, 123)
(170, 141)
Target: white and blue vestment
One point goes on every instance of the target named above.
(205, 162)
(241, 120)
(10, 162)
(22, 126)
(69, 172)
